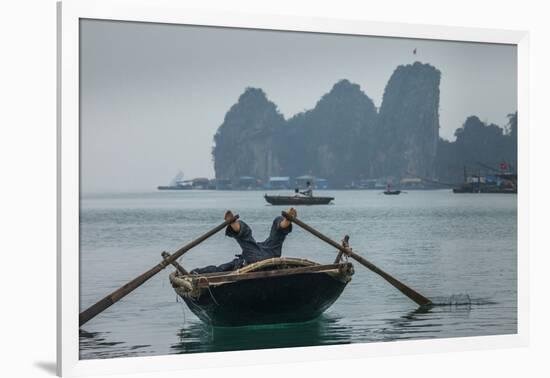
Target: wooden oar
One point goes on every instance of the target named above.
(165, 255)
(411, 293)
(120, 293)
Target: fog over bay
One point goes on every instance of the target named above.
(153, 95)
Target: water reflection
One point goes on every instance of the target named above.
(421, 323)
(198, 337)
(328, 329)
(97, 345)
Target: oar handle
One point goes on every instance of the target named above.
(121, 292)
(409, 292)
(345, 243)
(175, 264)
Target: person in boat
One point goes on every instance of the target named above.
(252, 251)
(309, 190)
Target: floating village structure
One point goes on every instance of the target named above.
(503, 180)
(279, 182)
(248, 183)
(495, 183)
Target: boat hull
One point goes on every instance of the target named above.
(283, 298)
(392, 192)
(296, 200)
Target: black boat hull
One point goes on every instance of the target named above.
(392, 192)
(280, 290)
(297, 200)
(287, 299)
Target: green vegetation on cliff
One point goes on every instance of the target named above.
(332, 140)
(244, 143)
(477, 144)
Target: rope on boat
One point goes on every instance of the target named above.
(210, 291)
(212, 295)
(345, 257)
(183, 311)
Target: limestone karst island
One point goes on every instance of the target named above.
(345, 142)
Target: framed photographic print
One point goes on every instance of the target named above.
(267, 188)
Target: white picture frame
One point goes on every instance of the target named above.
(69, 14)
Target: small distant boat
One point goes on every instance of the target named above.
(278, 290)
(297, 200)
(464, 189)
(392, 192)
(389, 191)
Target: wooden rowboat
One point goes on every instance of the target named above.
(278, 290)
(297, 200)
(271, 291)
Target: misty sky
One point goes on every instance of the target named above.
(153, 95)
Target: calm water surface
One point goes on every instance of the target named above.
(457, 249)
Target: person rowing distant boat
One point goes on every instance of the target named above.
(252, 251)
(308, 192)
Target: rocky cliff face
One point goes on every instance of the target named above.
(244, 143)
(407, 131)
(343, 138)
(330, 140)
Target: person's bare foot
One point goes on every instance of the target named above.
(292, 212)
(285, 222)
(228, 215)
(236, 226)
